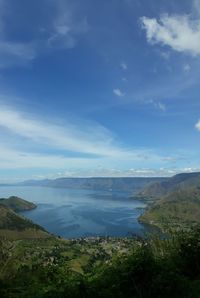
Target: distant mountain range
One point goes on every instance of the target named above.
(132, 184)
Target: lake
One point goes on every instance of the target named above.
(74, 213)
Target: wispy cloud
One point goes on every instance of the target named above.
(180, 32)
(85, 142)
(118, 92)
(80, 148)
(16, 53)
(124, 66)
(61, 31)
(158, 105)
(12, 158)
(91, 139)
(65, 28)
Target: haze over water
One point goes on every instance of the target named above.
(74, 213)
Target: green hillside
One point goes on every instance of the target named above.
(101, 268)
(179, 208)
(15, 226)
(17, 204)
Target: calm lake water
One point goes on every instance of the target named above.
(73, 213)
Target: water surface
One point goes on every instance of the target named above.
(73, 213)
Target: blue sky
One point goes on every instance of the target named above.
(99, 88)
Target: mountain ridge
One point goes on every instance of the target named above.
(97, 183)
(178, 182)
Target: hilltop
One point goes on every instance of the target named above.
(17, 204)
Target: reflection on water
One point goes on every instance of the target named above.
(74, 213)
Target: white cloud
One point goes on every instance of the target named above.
(180, 32)
(197, 125)
(124, 66)
(118, 92)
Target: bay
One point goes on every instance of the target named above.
(75, 213)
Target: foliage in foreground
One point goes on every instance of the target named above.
(157, 268)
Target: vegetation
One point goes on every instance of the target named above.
(17, 204)
(154, 268)
(174, 203)
(178, 209)
(15, 226)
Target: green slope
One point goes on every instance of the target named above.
(179, 208)
(101, 268)
(15, 226)
(17, 204)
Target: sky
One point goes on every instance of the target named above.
(99, 88)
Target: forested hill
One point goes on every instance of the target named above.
(176, 202)
(177, 209)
